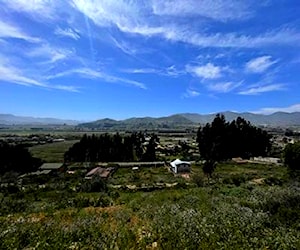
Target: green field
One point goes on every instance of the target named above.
(242, 207)
(51, 152)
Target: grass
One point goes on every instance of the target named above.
(52, 152)
(147, 176)
(219, 215)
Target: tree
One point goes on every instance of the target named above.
(220, 140)
(150, 155)
(291, 155)
(115, 147)
(16, 158)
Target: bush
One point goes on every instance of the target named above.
(198, 180)
(291, 156)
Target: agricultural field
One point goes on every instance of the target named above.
(51, 152)
(249, 206)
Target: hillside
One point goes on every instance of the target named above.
(8, 119)
(177, 121)
(186, 120)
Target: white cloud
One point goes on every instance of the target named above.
(226, 40)
(68, 32)
(133, 17)
(289, 109)
(50, 53)
(262, 89)
(93, 74)
(221, 10)
(9, 73)
(208, 71)
(259, 64)
(66, 88)
(125, 47)
(223, 87)
(190, 93)
(142, 71)
(113, 12)
(12, 74)
(171, 71)
(11, 31)
(36, 8)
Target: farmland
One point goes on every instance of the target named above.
(243, 206)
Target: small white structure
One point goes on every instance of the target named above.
(178, 166)
(267, 159)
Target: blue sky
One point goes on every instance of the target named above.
(86, 60)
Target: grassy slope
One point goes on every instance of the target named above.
(52, 152)
(228, 213)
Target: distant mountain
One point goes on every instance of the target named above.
(275, 119)
(170, 122)
(8, 119)
(177, 121)
(187, 120)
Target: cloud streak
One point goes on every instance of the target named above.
(223, 87)
(132, 18)
(36, 9)
(262, 89)
(49, 54)
(208, 71)
(68, 32)
(190, 93)
(12, 74)
(94, 74)
(220, 10)
(289, 109)
(259, 64)
(11, 31)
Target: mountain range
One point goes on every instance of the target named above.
(186, 120)
(183, 120)
(8, 119)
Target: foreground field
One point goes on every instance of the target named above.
(51, 152)
(250, 207)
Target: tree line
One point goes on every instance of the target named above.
(107, 147)
(16, 158)
(221, 140)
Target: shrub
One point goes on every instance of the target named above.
(198, 180)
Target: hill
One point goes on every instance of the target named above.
(177, 121)
(186, 120)
(8, 119)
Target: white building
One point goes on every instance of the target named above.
(178, 166)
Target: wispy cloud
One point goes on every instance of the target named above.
(66, 88)
(208, 71)
(262, 89)
(221, 10)
(259, 64)
(223, 87)
(125, 47)
(49, 53)
(289, 109)
(131, 17)
(68, 32)
(142, 71)
(35, 8)
(234, 40)
(11, 31)
(171, 71)
(93, 74)
(190, 93)
(10, 73)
